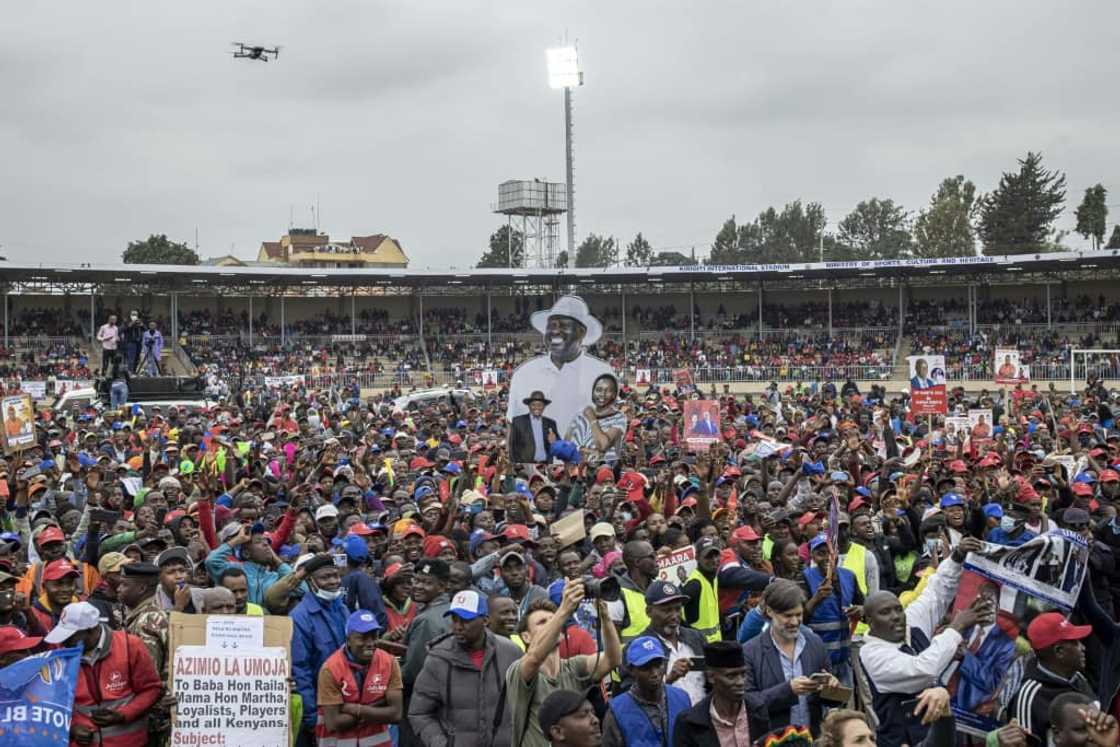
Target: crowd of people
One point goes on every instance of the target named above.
(441, 592)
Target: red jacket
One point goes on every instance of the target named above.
(124, 679)
(374, 684)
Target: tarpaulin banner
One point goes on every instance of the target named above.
(37, 699)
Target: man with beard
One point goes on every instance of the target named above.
(429, 593)
(566, 374)
(460, 688)
(503, 616)
(516, 578)
(664, 603)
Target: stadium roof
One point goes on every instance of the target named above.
(187, 277)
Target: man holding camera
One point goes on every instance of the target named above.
(541, 671)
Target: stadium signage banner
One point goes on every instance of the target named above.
(37, 389)
(871, 264)
(280, 381)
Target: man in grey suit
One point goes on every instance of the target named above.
(529, 433)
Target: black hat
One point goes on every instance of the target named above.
(174, 554)
(321, 560)
(663, 592)
(139, 570)
(724, 655)
(556, 706)
(537, 396)
(433, 567)
(704, 545)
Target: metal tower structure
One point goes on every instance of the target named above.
(538, 205)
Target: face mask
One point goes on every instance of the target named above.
(1007, 523)
(328, 596)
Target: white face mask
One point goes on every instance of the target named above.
(1007, 523)
(328, 596)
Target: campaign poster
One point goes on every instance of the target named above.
(980, 425)
(37, 698)
(701, 423)
(1008, 367)
(642, 377)
(18, 416)
(490, 378)
(1044, 574)
(676, 566)
(37, 389)
(927, 385)
(682, 377)
(283, 381)
(956, 434)
(566, 386)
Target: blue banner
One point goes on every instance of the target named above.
(37, 698)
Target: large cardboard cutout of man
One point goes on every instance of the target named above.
(566, 374)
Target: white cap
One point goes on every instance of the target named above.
(326, 512)
(602, 529)
(75, 617)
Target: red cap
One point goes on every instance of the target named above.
(745, 534)
(857, 503)
(656, 459)
(631, 482)
(1081, 488)
(958, 466)
(419, 463)
(1052, 627)
(50, 534)
(361, 529)
(808, 517)
(434, 544)
(991, 459)
(14, 639)
(57, 569)
(517, 533)
(603, 474)
(1109, 475)
(393, 570)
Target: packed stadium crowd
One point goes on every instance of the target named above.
(808, 564)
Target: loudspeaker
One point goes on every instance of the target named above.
(149, 388)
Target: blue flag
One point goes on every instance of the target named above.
(37, 698)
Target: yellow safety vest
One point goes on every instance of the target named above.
(636, 611)
(707, 622)
(856, 562)
(254, 610)
(520, 643)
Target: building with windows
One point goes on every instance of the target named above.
(306, 247)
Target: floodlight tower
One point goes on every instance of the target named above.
(564, 72)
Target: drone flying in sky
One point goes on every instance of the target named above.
(252, 52)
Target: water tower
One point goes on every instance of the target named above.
(538, 204)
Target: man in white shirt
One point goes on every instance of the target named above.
(566, 374)
(901, 657)
(109, 337)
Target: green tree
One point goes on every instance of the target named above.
(944, 229)
(725, 249)
(562, 258)
(638, 252)
(1114, 239)
(1017, 217)
(507, 249)
(158, 250)
(596, 251)
(877, 229)
(1092, 215)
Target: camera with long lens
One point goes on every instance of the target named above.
(606, 589)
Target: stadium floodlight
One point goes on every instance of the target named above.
(563, 67)
(564, 72)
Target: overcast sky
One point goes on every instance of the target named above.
(124, 119)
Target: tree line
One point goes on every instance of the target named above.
(1017, 217)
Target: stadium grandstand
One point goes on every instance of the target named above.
(742, 325)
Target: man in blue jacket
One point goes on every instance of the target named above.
(647, 713)
(252, 551)
(318, 630)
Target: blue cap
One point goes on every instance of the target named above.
(556, 591)
(812, 468)
(12, 538)
(522, 487)
(46, 464)
(1085, 477)
(362, 621)
(993, 511)
(460, 424)
(643, 650)
(951, 499)
(863, 491)
(817, 541)
(467, 605)
(751, 420)
(453, 468)
(422, 492)
(839, 476)
(85, 460)
(356, 548)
